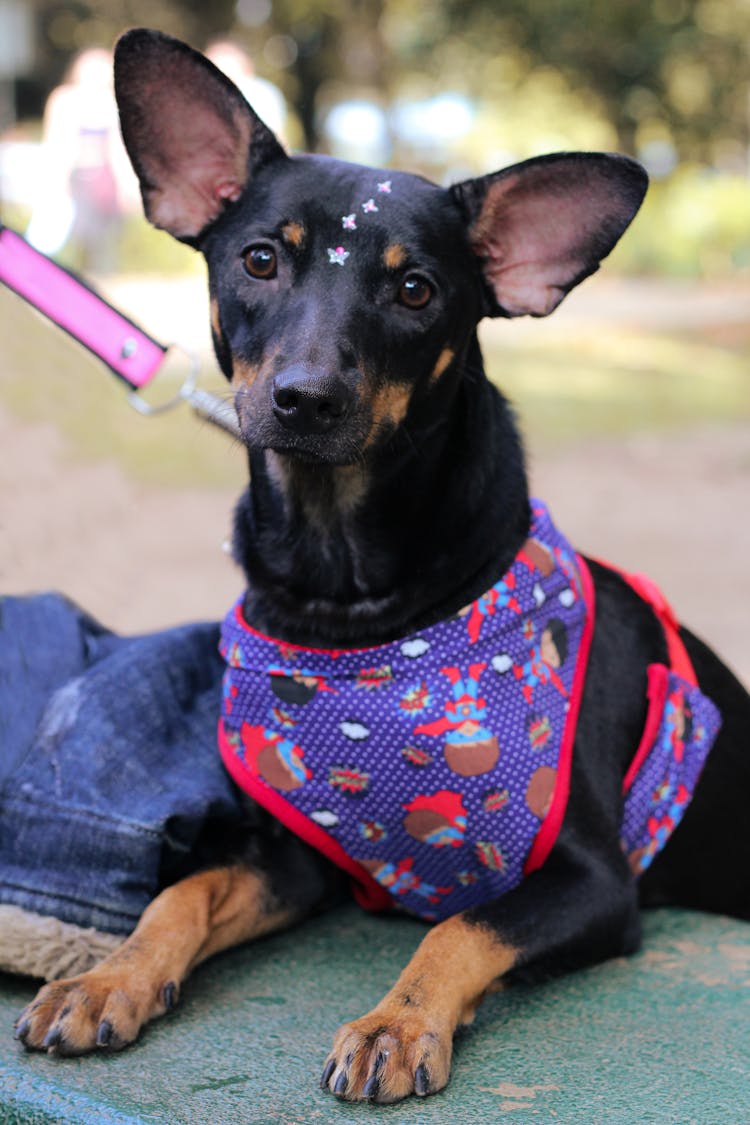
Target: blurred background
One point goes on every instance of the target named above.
(634, 397)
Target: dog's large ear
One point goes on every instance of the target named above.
(192, 138)
(542, 226)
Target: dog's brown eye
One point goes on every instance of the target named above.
(260, 261)
(415, 292)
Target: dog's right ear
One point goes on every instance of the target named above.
(192, 138)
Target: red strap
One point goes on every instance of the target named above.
(550, 828)
(647, 589)
(656, 692)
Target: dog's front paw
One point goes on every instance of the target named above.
(384, 1060)
(101, 1009)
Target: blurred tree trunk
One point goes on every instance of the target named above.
(336, 43)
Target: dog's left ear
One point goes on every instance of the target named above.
(542, 226)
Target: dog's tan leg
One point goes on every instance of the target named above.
(185, 924)
(404, 1045)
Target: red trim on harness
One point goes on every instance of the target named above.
(658, 682)
(679, 660)
(646, 588)
(550, 829)
(658, 674)
(367, 891)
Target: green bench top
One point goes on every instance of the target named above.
(660, 1037)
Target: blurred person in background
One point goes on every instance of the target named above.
(85, 182)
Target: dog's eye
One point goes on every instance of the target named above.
(415, 291)
(260, 261)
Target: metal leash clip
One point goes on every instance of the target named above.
(205, 404)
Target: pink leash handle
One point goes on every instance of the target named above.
(126, 349)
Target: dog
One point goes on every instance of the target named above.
(400, 579)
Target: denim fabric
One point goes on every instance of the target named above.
(108, 763)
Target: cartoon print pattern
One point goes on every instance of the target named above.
(432, 761)
(664, 784)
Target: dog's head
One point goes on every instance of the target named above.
(344, 298)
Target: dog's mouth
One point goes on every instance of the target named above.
(309, 454)
(344, 444)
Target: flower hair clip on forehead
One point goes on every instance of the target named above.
(337, 256)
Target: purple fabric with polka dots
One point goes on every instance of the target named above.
(433, 761)
(688, 723)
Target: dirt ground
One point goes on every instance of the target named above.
(140, 556)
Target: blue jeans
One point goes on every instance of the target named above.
(109, 773)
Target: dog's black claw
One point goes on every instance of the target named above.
(22, 1029)
(328, 1070)
(341, 1084)
(53, 1037)
(104, 1034)
(170, 995)
(371, 1087)
(422, 1081)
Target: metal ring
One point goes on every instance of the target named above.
(184, 393)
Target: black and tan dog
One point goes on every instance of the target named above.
(388, 492)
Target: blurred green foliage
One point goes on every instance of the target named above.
(694, 224)
(665, 80)
(676, 69)
(669, 70)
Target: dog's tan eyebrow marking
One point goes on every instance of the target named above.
(293, 233)
(394, 256)
(445, 359)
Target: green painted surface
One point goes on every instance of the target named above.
(660, 1037)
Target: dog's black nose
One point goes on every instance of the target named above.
(308, 403)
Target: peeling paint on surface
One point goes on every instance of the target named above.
(518, 1097)
(721, 965)
(220, 1083)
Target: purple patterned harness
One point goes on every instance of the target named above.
(435, 769)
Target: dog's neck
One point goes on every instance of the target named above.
(362, 554)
